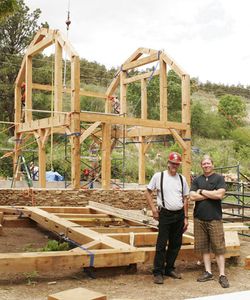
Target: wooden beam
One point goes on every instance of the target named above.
(89, 131)
(58, 78)
(47, 262)
(141, 76)
(163, 91)
(82, 92)
(140, 62)
(178, 138)
(106, 156)
(57, 121)
(39, 47)
(28, 89)
(118, 212)
(114, 119)
(146, 131)
(144, 239)
(172, 64)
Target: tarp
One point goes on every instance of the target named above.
(53, 176)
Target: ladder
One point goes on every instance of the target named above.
(21, 164)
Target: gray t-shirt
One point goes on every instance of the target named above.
(172, 190)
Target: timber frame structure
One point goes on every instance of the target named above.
(140, 129)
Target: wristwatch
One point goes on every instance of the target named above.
(200, 192)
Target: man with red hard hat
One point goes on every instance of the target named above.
(172, 213)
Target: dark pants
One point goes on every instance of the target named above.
(170, 232)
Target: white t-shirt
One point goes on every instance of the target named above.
(172, 190)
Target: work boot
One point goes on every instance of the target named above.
(223, 281)
(205, 277)
(173, 274)
(158, 279)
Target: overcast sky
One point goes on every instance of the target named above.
(209, 39)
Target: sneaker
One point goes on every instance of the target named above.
(205, 277)
(223, 281)
(158, 279)
(173, 274)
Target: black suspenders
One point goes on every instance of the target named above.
(162, 195)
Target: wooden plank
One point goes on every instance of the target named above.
(1, 229)
(77, 293)
(163, 91)
(247, 262)
(114, 119)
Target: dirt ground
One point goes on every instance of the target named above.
(117, 283)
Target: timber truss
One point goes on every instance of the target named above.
(140, 129)
(103, 236)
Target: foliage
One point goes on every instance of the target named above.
(221, 89)
(7, 7)
(16, 32)
(233, 109)
(197, 118)
(54, 245)
(241, 138)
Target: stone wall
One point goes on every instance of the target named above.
(126, 199)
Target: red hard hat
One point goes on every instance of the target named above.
(174, 157)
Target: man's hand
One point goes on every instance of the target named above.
(155, 213)
(185, 224)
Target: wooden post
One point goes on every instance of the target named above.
(41, 137)
(58, 77)
(75, 122)
(163, 91)
(123, 94)
(106, 156)
(186, 116)
(28, 89)
(141, 148)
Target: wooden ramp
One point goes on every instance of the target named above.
(102, 236)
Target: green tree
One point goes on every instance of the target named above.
(233, 108)
(7, 7)
(197, 118)
(16, 32)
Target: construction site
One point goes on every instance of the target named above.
(105, 222)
